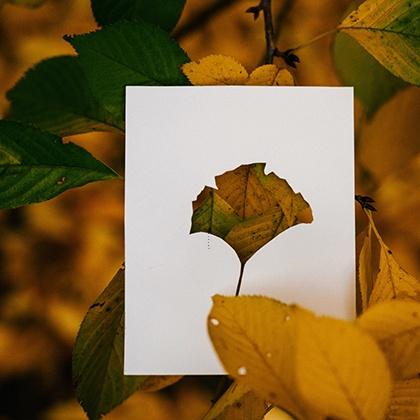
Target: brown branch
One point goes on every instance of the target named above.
(201, 18)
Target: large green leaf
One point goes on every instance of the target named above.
(164, 13)
(98, 356)
(55, 96)
(373, 83)
(128, 53)
(390, 31)
(37, 166)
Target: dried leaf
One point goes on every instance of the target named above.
(395, 325)
(389, 30)
(312, 367)
(238, 403)
(248, 209)
(381, 277)
(223, 70)
(405, 401)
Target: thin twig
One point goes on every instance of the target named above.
(201, 18)
(269, 31)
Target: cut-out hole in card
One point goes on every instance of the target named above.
(225, 184)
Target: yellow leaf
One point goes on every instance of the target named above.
(215, 70)
(389, 30)
(395, 325)
(405, 401)
(312, 367)
(380, 276)
(253, 337)
(248, 209)
(270, 75)
(224, 70)
(238, 403)
(340, 370)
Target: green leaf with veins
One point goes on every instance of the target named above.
(163, 13)
(124, 54)
(56, 97)
(37, 166)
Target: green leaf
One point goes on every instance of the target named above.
(55, 96)
(98, 356)
(390, 31)
(163, 13)
(373, 83)
(128, 53)
(37, 166)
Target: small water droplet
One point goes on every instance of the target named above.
(61, 181)
(269, 355)
(214, 322)
(242, 371)
(287, 318)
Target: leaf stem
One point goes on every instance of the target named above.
(241, 273)
(315, 39)
(265, 5)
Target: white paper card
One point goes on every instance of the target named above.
(178, 140)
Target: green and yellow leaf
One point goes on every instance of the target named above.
(248, 209)
(390, 31)
(381, 278)
(395, 325)
(223, 70)
(238, 403)
(405, 400)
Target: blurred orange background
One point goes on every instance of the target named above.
(57, 256)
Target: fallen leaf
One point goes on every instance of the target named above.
(380, 276)
(238, 403)
(224, 70)
(248, 209)
(389, 30)
(395, 325)
(405, 400)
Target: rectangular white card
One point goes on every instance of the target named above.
(178, 140)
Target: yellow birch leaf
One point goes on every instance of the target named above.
(254, 338)
(223, 70)
(270, 75)
(405, 401)
(215, 70)
(238, 403)
(248, 209)
(389, 30)
(340, 370)
(381, 278)
(312, 367)
(395, 326)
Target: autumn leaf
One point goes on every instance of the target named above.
(395, 325)
(405, 400)
(248, 209)
(314, 367)
(224, 70)
(238, 403)
(380, 276)
(389, 30)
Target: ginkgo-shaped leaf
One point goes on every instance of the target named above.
(314, 367)
(380, 276)
(390, 31)
(223, 70)
(395, 325)
(248, 209)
